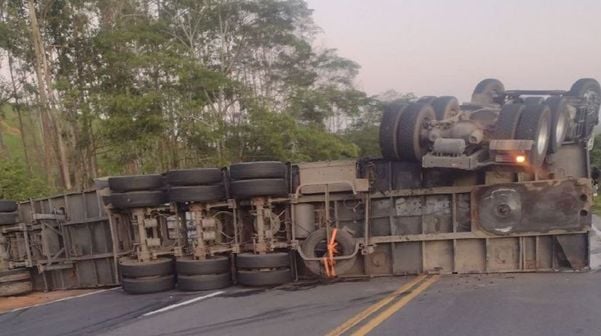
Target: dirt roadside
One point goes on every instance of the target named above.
(37, 298)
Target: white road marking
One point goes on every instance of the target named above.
(183, 303)
(62, 299)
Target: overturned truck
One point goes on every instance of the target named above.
(499, 184)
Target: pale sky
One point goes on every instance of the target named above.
(431, 47)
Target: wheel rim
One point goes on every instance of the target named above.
(542, 139)
(560, 129)
(592, 99)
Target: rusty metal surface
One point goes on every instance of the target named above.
(340, 176)
(452, 229)
(534, 206)
(70, 242)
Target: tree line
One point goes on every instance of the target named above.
(103, 87)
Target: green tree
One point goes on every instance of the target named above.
(136, 86)
(595, 153)
(364, 130)
(15, 184)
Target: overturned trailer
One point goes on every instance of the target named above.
(500, 184)
(66, 241)
(407, 228)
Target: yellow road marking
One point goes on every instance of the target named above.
(369, 326)
(353, 321)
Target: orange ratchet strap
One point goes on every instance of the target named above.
(329, 264)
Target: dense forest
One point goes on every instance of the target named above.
(92, 88)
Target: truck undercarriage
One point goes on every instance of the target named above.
(500, 184)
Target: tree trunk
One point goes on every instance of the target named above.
(50, 125)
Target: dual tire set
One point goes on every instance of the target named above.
(402, 126)
(258, 179)
(544, 121)
(137, 191)
(197, 275)
(263, 269)
(246, 180)
(547, 122)
(146, 277)
(251, 270)
(160, 274)
(202, 185)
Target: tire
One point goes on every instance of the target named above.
(131, 268)
(560, 119)
(258, 278)
(203, 282)
(8, 218)
(14, 275)
(8, 206)
(445, 107)
(15, 288)
(138, 199)
(344, 240)
(388, 130)
(271, 260)
(194, 177)
(488, 91)
(426, 99)
(215, 265)
(148, 285)
(584, 85)
(201, 193)
(410, 144)
(589, 89)
(508, 121)
(245, 189)
(101, 183)
(258, 170)
(535, 124)
(123, 184)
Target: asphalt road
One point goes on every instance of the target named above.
(517, 304)
(502, 304)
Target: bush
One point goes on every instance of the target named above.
(16, 184)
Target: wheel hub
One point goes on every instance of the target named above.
(500, 210)
(593, 100)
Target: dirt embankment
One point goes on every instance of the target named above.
(37, 298)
